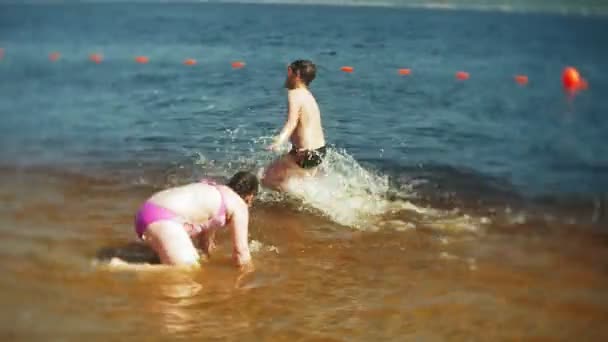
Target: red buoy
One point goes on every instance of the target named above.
(142, 59)
(190, 61)
(404, 72)
(238, 65)
(462, 75)
(521, 79)
(54, 56)
(96, 58)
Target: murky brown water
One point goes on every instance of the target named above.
(322, 282)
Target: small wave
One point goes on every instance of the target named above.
(344, 191)
(136, 256)
(256, 246)
(352, 194)
(580, 8)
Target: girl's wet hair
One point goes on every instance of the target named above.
(244, 183)
(305, 69)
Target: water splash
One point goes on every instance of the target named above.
(344, 191)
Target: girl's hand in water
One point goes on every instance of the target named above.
(207, 242)
(247, 268)
(210, 246)
(244, 271)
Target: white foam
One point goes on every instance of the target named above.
(464, 223)
(346, 192)
(257, 247)
(343, 191)
(117, 264)
(353, 196)
(397, 225)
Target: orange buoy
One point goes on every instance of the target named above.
(96, 58)
(190, 61)
(142, 59)
(348, 69)
(404, 72)
(571, 79)
(462, 75)
(1, 53)
(521, 79)
(54, 56)
(238, 65)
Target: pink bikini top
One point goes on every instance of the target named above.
(219, 219)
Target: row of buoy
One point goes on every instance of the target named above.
(460, 75)
(571, 78)
(98, 58)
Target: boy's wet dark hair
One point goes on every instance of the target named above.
(305, 69)
(244, 183)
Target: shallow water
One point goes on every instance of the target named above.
(447, 211)
(320, 281)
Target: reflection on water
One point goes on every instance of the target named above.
(173, 301)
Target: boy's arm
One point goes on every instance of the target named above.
(239, 227)
(293, 115)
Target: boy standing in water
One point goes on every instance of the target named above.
(303, 128)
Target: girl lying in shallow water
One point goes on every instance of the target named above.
(175, 220)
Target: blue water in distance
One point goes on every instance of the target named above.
(533, 137)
